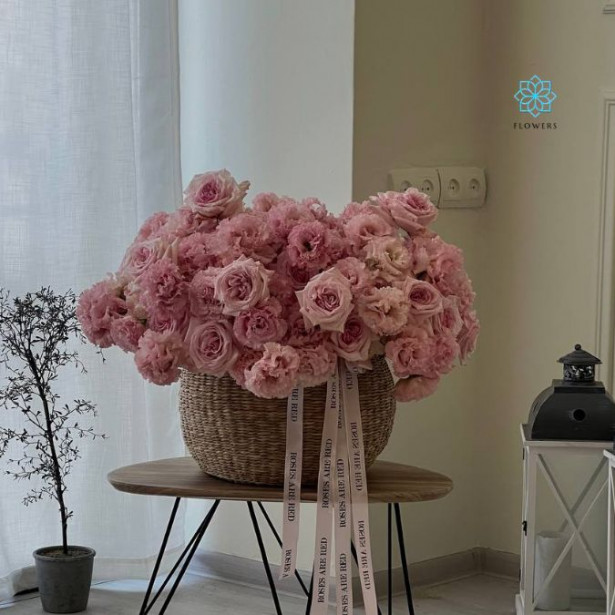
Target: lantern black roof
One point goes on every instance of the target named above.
(579, 357)
(575, 408)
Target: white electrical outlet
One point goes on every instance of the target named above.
(425, 179)
(462, 187)
(445, 186)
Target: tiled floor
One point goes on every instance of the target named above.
(479, 595)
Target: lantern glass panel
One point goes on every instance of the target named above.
(571, 509)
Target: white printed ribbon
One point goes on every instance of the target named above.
(342, 487)
(343, 532)
(292, 482)
(324, 513)
(358, 487)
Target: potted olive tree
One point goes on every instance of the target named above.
(35, 333)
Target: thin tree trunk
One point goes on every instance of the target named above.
(52, 449)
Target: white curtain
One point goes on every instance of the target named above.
(88, 149)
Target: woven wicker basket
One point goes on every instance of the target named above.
(239, 437)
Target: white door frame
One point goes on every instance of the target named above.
(605, 321)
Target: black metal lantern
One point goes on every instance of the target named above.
(575, 408)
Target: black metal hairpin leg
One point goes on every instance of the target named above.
(187, 548)
(165, 540)
(261, 546)
(310, 594)
(279, 541)
(389, 562)
(404, 562)
(186, 556)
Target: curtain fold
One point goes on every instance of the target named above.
(89, 147)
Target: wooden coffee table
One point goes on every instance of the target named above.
(390, 483)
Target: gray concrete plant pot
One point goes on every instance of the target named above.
(64, 580)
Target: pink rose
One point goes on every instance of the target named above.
(241, 285)
(443, 265)
(412, 210)
(317, 208)
(133, 301)
(169, 320)
(457, 284)
(141, 255)
(411, 354)
(163, 289)
(193, 254)
(246, 359)
(126, 333)
(97, 309)
(415, 388)
(264, 201)
(285, 215)
(364, 227)
(468, 336)
(298, 275)
(153, 226)
(159, 356)
(420, 253)
(281, 287)
(210, 347)
(275, 373)
(317, 364)
(260, 324)
(366, 207)
(445, 260)
(384, 310)
(353, 344)
(299, 335)
(465, 293)
(445, 350)
(245, 234)
(308, 245)
(449, 319)
(355, 271)
(201, 293)
(424, 298)
(186, 221)
(331, 221)
(388, 257)
(338, 246)
(431, 255)
(326, 300)
(215, 194)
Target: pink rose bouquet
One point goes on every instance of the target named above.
(274, 295)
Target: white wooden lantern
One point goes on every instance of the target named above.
(610, 586)
(564, 529)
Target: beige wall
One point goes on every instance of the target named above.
(434, 83)
(540, 228)
(418, 98)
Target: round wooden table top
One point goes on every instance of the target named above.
(181, 477)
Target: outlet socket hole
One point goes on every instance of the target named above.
(453, 187)
(427, 187)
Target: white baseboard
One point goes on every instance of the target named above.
(498, 563)
(244, 571)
